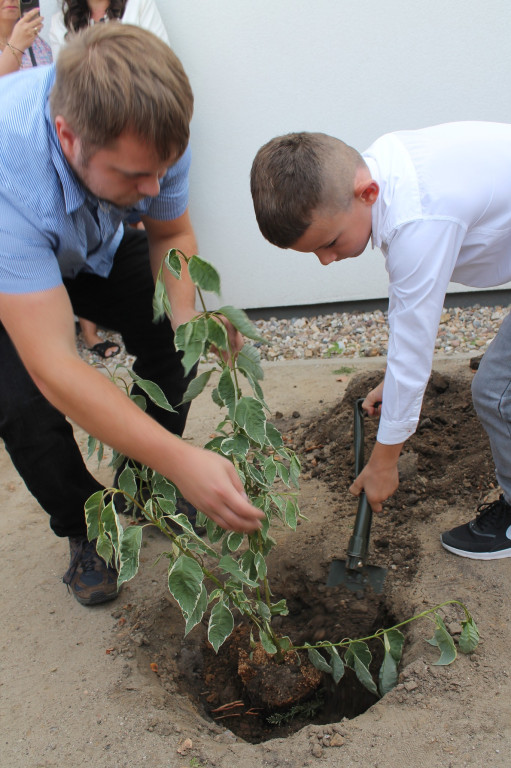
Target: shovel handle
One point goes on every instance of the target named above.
(359, 541)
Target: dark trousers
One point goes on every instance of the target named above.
(38, 437)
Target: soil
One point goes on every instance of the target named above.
(118, 685)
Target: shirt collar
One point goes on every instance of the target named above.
(376, 212)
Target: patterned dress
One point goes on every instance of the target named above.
(41, 51)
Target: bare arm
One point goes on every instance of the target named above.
(83, 394)
(23, 35)
(179, 234)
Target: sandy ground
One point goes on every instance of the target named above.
(76, 690)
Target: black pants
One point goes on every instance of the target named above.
(38, 437)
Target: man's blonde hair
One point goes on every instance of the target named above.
(298, 174)
(116, 77)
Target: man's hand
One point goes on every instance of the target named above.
(211, 484)
(379, 478)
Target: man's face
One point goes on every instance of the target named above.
(123, 173)
(338, 236)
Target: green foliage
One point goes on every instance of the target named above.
(222, 572)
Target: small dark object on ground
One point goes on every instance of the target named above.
(102, 348)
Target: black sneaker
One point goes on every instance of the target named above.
(488, 537)
(90, 579)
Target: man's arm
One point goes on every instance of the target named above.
(179, 234)
(41, 326)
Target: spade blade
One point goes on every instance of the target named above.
(356, 579)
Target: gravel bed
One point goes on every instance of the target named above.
(349, 335)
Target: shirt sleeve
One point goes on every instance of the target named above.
(420, 261)
(27, 257)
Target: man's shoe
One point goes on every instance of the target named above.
(488, 537)
(90, 579)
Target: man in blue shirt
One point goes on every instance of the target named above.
(85, 147)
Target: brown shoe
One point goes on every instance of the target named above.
(90, 579)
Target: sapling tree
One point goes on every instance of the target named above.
(210, 570)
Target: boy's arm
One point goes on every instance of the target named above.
(41, 326)
(420, 261)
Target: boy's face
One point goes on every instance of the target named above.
(342, 234)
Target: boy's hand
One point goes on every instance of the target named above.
(372, 403)
(379, 478)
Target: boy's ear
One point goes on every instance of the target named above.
(367, 191)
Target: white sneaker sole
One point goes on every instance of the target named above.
(499, 555)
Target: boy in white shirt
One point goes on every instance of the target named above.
(437, 202)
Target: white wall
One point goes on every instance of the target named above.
(354, 69)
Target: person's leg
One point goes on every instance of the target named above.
(488, 537)
(94, 342)
(123, 302)
(42, 447)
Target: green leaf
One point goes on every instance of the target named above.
(269, 470)
(279, 609)
(234, 541)
(442, 640)
(173, 263)
(273, 435)
(217, 333)
(226, 390)
(336, 663)
(93, 507)
(230, 566)
(196, 386)
(358, 657)
(195, 343)
(129, 553)
(267, 643)
(161, 304)
(294, 469)
(240, 321)
(395, 641)
(110, 525)
(214, 531)
(249, 361)
(263, 610)
(127, 481)
(469, 636)
(204, 275)
(291, 513)
(283, 472)
(91, 445)
(221, 624)
(238, 446)
(249, 415)
(153, 391)
(318, 660)
(163, 487)
(198, 612)
(260, 566)
(185, 582)
(387, 677)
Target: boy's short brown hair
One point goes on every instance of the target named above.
(297, 174)
(116, 77)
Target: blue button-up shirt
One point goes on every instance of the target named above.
(50, 225)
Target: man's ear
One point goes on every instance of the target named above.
(368, 192)
(68, 139)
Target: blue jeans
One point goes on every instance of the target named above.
(38, 438)
(491, 393)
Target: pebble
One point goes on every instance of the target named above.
(348, 335)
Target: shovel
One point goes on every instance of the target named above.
(353, 572)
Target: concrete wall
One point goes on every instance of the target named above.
(354, 69)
